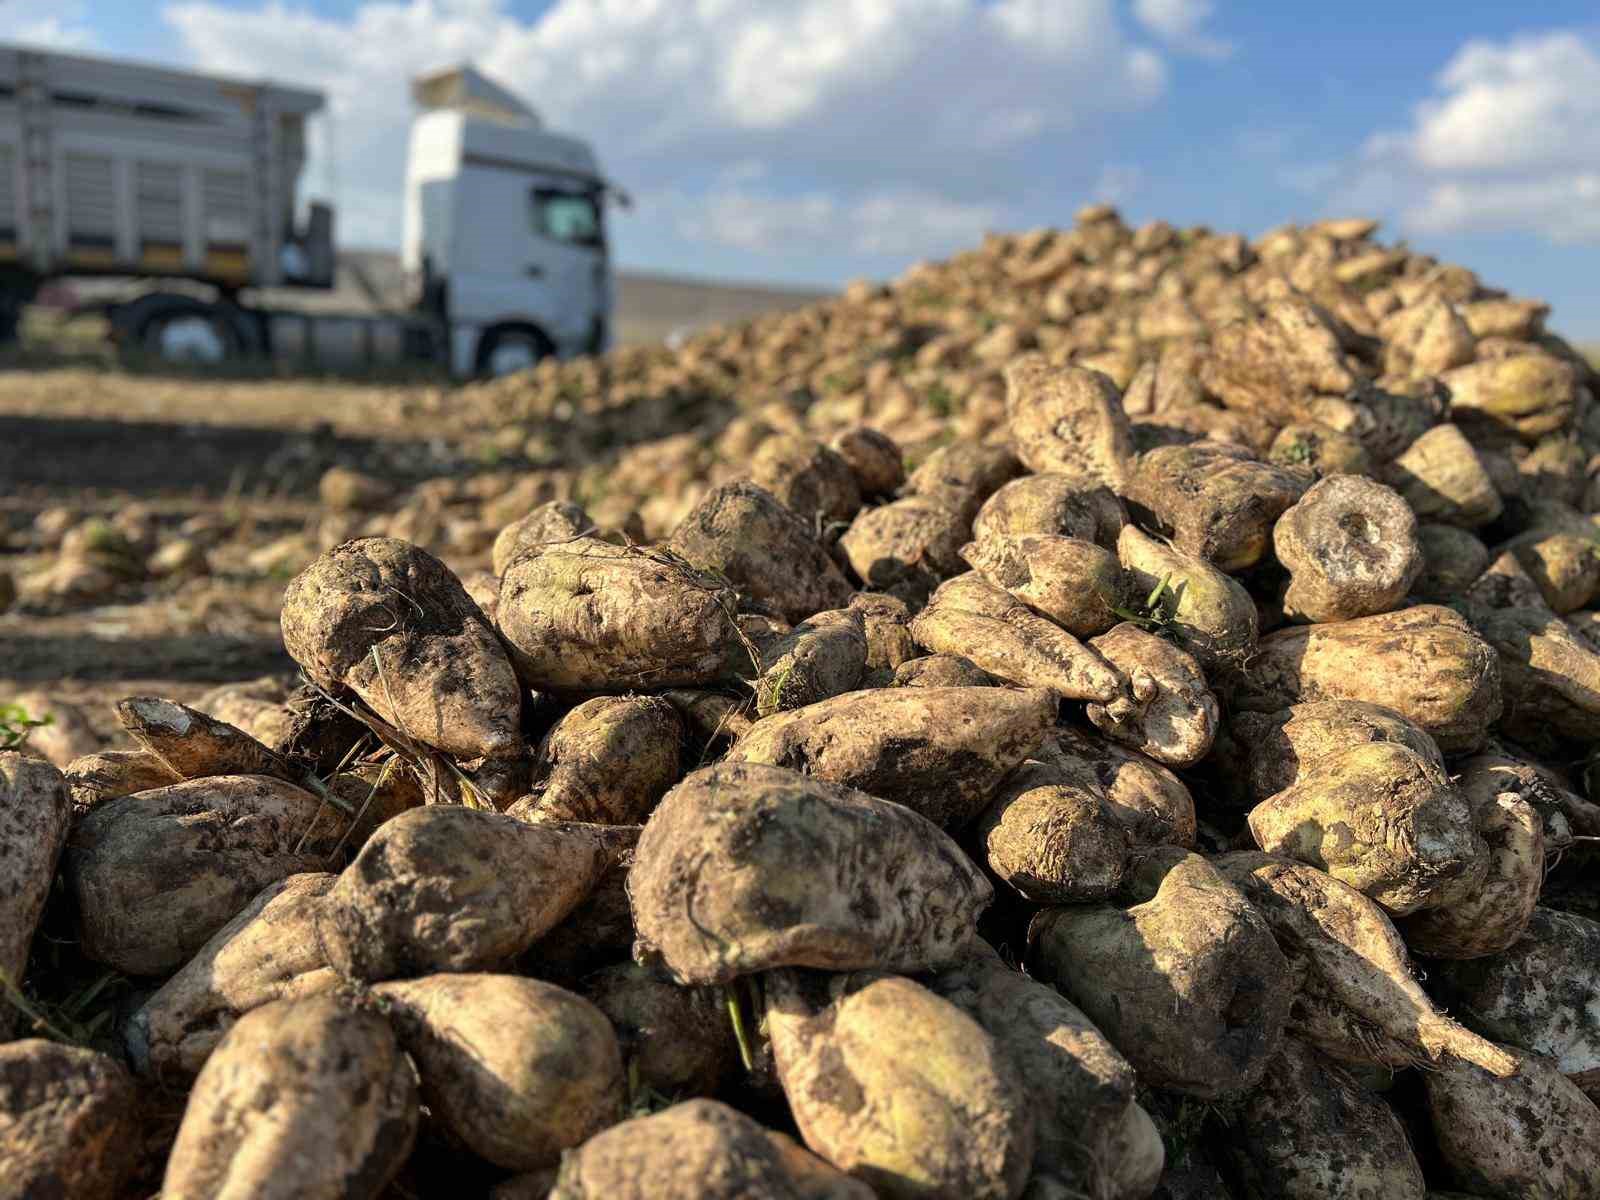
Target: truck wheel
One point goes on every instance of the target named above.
(510, 349)
(188, 331)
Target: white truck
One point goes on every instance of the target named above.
(186, 188)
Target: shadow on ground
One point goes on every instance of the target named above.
(27, 658)
(158, 457)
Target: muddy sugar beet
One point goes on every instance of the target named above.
(1110, 715)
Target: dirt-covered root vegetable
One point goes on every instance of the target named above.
(1188, 423)
(807, 477)
(906, 547)
(1068, 420)
(586, 615)
(1052, 836)
(318, 732)
(346, 489)
(1425, 338)
(1053, 504)
(110, 774)
(516, 1069)
(444, 888)
(69, 1122)
(1527, 1133)
(742, 533)
(899, 1087)
(553, 521)
(1216, 500)
(1503, 584)
(675, 1040)
(1187, 983)
(873, 457)
(941, 670)
(194, 744)
(939, 751)
(390, 622)
(1564, 813)
(1075, 583)
(817, 659)
(303, 1098)
(1211, 614)
(698, 1150)
(600, 929)
(1541, 994)
(886, 623)
(1526, 396)
(268, 952)
(1281, 748)
(155, 874)
(1425, 662)
(366, 796)
(1279, 361)
(1151, 802)
(1174, 717)
(746, 866)
(1091, 1134)
(1383, 819)
(1358, 1001)
(972, 618)
(712, 717)
(1443, 480)
(1326, 450)
(1473, 918)
(1451, 559)
(257, 706)
(962, 475)
(610, 759)
(67, 733)
(1551, 676)
(1566, 566)
(35, 810)
(1309, 1131)
(1350, 546)
(483, 588)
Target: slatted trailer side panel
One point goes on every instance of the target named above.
(119, 168)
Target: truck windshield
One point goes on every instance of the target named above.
(568, 216)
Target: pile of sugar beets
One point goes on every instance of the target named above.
(1181, 791)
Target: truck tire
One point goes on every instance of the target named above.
(177, 330)
(507, 349)
(17, 291)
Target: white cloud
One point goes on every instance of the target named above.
(1565, 207)
(57, 24)
(878, 223)
(1531, 103)
(1510, 142)
(928, 112)
(1182, 24)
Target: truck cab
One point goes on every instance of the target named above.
(504, 228)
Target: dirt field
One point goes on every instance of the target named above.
(244, 456)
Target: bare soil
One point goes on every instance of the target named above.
(246, 453)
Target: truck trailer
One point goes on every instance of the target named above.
(184, 189)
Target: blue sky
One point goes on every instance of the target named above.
(817, 140)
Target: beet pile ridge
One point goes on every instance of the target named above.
(1176, 784)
